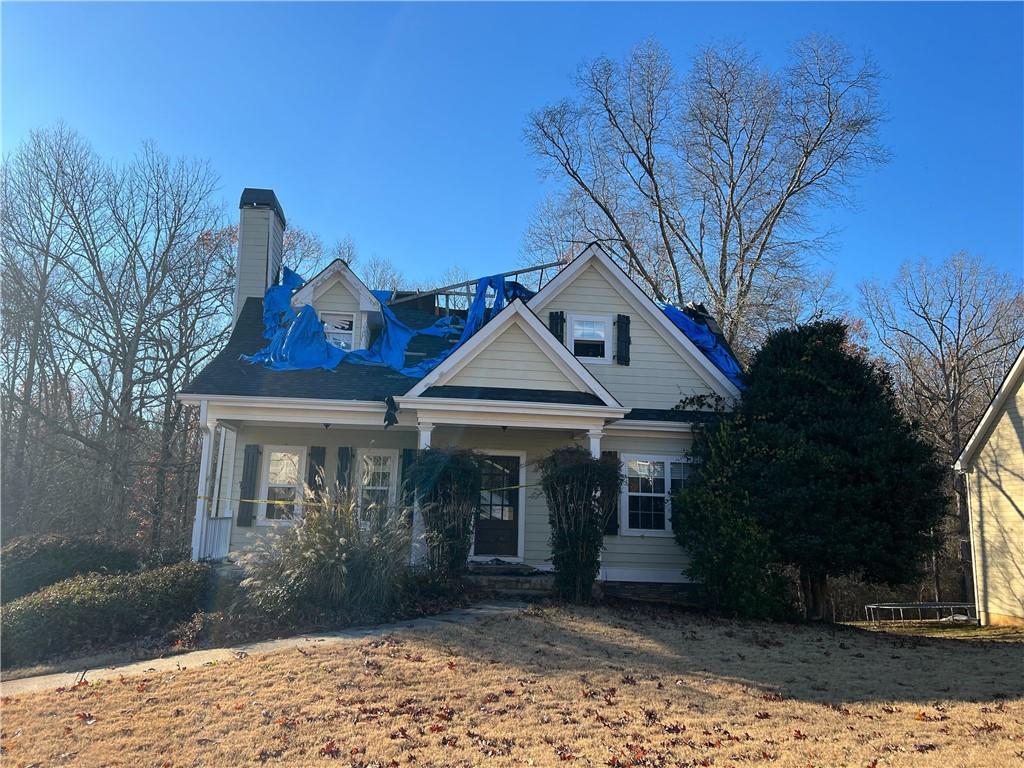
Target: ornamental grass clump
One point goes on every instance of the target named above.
(335, 563)
(581, 493)
(447, 483)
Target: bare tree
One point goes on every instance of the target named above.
(703, 185)
(380, 273)
(950, 330)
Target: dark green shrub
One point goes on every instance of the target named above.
(447, 482)
(581, 493)
(33, 562)
(329, 565)
(95, 610)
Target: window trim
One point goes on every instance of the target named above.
(361, 453)
(668, 460)
(324, 314)
(300, 483)
(570, 321)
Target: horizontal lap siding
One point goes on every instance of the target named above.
(997, 485)
(337, 297)
(243, 537)
(646, 553)
(537, 444)
(512, 360)
(252, 275)
(656, 377)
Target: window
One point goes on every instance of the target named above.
(377, 481)
(590, 337)
(339, 328)
(646, 506)
(282, 482)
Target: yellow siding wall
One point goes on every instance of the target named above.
(656, 377)
(661, 558)
(337, 297)
(997, 516)
(512, 359)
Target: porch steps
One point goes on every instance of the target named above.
(514, 579)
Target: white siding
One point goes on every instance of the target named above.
(657, 377)
(251, 269)
(512, 359)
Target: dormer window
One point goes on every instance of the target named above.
(339, 328)
(590, 337)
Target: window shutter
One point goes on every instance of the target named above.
(622, 340)
(315, 470)
(556, 324)
(408, 492)
(611, 526)
(250, 472)
(344, 476)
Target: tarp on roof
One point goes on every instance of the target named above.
(298, 342)
(707, 341)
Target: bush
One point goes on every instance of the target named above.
(33, 562)
(95, 609)
(448, 484)
(329, 565)
(581, 492)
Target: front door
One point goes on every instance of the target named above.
(497, 521)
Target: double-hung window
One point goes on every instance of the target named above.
(646, 504)
(378, 482)
(590, 337)
(339, 328)
(281, 488)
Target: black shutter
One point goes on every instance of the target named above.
(556, 324)
(344, 476)
(250, 472)
(315, 470)
(408, 492)
(622, 340)
(611, 526)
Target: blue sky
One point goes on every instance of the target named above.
(401, 125)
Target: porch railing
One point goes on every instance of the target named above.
(216, 539)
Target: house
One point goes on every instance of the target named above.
(588, 360)
(993, 461)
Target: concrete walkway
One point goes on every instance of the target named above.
(214, 655)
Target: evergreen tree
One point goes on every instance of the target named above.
(820, 461)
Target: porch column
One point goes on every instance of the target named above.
(595, 436)
(419, 530)
(202, 492)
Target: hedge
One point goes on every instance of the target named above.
(30, 563)
(95, 610)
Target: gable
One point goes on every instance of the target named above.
(335, 296)
(512, 359)
(658, 375)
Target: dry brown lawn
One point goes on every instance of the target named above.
(554, 686)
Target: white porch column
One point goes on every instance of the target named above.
(202, 502)
(419, 530)
(595, 436)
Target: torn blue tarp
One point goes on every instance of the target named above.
(299, 342)
(299, 345)
(707, 342)
(277, 303)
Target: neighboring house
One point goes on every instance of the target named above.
(590, 360)
(993, 461)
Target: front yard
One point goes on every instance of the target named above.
(555, 686)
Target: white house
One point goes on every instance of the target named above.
(589, 360)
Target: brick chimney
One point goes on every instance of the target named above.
(261, 226)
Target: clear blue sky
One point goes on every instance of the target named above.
(401, 125)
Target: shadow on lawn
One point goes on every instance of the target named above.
(823, 664)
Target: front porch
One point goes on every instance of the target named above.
(258, 460)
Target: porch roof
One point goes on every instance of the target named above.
(511, 394)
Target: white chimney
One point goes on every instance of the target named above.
(261, 226)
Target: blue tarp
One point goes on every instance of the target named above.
(298, 340)
(707, 342)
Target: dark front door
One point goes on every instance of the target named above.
(497, 521)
